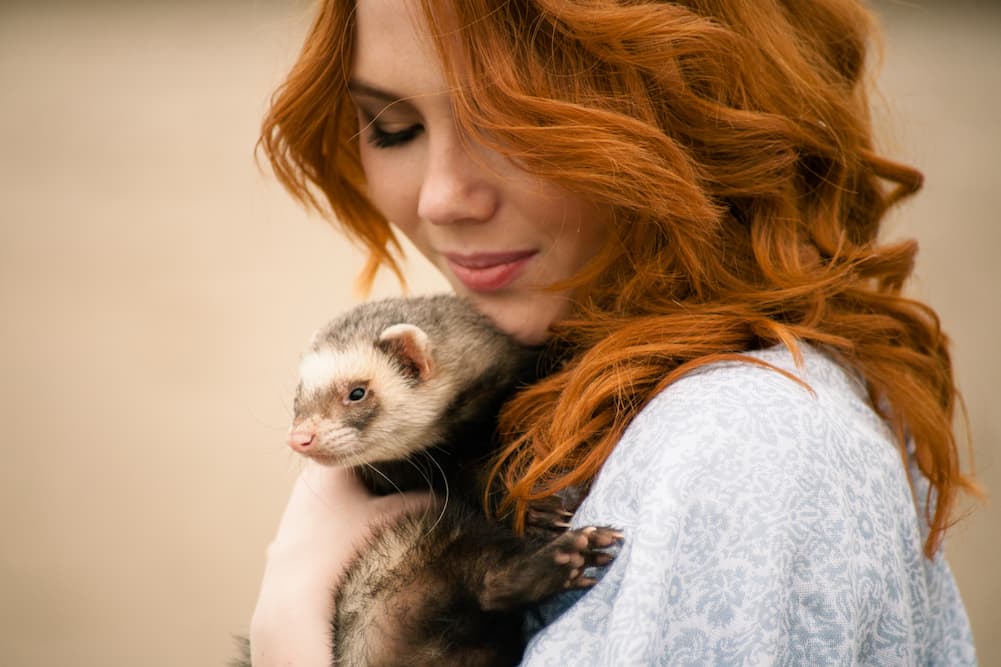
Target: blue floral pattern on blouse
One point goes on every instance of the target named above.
(764, 524)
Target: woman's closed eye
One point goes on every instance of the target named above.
(384, 138)
(383, 133)
(385, 119)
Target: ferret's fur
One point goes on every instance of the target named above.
(434, 373)
(407, 392)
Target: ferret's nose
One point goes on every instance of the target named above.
(301, 439)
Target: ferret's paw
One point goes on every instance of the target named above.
(560, 564)
(578, 550)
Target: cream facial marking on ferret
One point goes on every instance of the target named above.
(340, 404)
(317, 369)
(320, 369)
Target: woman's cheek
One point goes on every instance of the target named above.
(389, 185)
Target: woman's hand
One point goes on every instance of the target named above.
(327, 518)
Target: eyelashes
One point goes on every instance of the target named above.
(382, 139)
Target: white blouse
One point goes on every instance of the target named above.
(764, 524)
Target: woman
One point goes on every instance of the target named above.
(686, 195)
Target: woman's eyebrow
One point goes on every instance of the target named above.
(359, 88)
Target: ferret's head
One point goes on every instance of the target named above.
(366, 401)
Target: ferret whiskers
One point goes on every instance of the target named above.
(374, 469)
(427, 479)
(429, 456)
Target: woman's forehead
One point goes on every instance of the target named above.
(393, 48)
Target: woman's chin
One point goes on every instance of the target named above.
(527, 320)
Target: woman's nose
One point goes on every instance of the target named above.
(457, 185)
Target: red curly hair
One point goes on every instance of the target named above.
(732, 138)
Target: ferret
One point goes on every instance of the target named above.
(407, 392)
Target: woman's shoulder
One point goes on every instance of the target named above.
(767, 519)
(765, 393)
(771, 419)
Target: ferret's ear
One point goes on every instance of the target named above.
(315, 338)
(411, 346)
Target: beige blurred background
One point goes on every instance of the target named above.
(156, 290)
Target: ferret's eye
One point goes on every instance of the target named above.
(357, 394)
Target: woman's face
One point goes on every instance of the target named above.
(498, 234)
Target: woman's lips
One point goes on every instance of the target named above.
(488, 271)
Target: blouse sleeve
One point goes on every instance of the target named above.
(764, 524)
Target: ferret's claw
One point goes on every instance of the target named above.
(580, 582)
(548, 520)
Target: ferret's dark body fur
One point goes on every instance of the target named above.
(444, 586)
